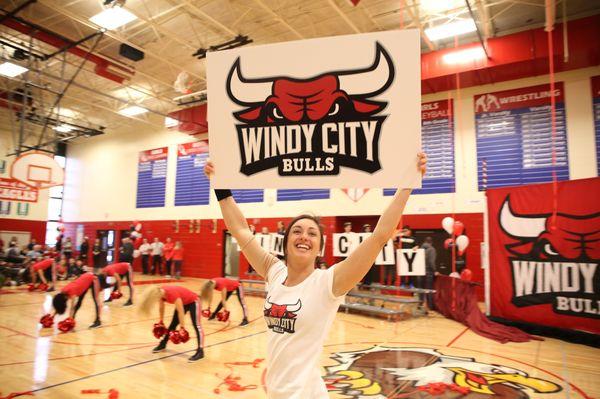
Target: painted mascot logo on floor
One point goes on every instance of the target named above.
(554, 260)
(385, 372)
(311, 126)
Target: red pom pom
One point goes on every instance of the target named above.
(116, 295)
(42, 287)
(31, 287)
(225, 315)
(47, 321)
(206, 312)
(66, 325)
(159, 330)
(184, 335)
(175, 337)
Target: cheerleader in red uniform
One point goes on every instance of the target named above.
(226, 287)
(44, 270)
(76, 290)
(118, 271)
(185, 301)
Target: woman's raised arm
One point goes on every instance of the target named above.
(351, 270)
(236, 223)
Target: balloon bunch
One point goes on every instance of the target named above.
(456, 228)
(136, 235)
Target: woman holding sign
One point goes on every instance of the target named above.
(302, 301)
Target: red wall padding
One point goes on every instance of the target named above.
(37, 228)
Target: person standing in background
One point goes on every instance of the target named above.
(157, 253)
(280, 227)
(177, 257)
(145, 250)
(97, 255)
(126, 251)
(408, 241)
(67, 248)
(372, 274)
(168, 254)
(84, 248)
(430, 270)
(31, 244)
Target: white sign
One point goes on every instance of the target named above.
(276, 244)
(264, 240)
(410, 262)
(317, 114)
(386, 256)
(345, 243)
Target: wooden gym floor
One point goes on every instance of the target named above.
(364, 357)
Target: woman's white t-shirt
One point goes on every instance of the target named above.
(298, 319)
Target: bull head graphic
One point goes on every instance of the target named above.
(285, 310)
(547, 236)
(329, 96)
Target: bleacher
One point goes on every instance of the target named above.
(372, 300)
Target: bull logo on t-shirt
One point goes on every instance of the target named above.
(281, 318)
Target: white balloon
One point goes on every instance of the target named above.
(138, 227)
(448, 224)
(136, 253)
(462, 242)
(454, 275)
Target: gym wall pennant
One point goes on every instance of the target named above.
(317, 113)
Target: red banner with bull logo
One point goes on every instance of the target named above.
(544, 254)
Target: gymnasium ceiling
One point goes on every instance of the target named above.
(169, 32)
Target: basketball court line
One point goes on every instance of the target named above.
(84, 355)
(141, 363)
(449, 344)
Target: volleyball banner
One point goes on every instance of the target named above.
(317, 115)
(544, 254)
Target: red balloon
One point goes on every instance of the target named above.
(449, 243)
(459, 227)
(466, 275)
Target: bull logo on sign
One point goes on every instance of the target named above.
(555, 259)
(311, 126)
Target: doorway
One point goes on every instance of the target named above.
(107, 245)
(231, 256)
(443, 259)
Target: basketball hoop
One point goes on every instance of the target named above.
(38, 170)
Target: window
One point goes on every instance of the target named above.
(55, 203)
(4, 208)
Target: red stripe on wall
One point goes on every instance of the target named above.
(37, 228)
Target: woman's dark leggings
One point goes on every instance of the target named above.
(193, 309)
(240, 294)
(94, 288)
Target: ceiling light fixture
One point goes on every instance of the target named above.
(64, 128)
(11, 70)
(113, 18)
(171, 122)
(464, 56)
(133, 111)
(456, 28)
